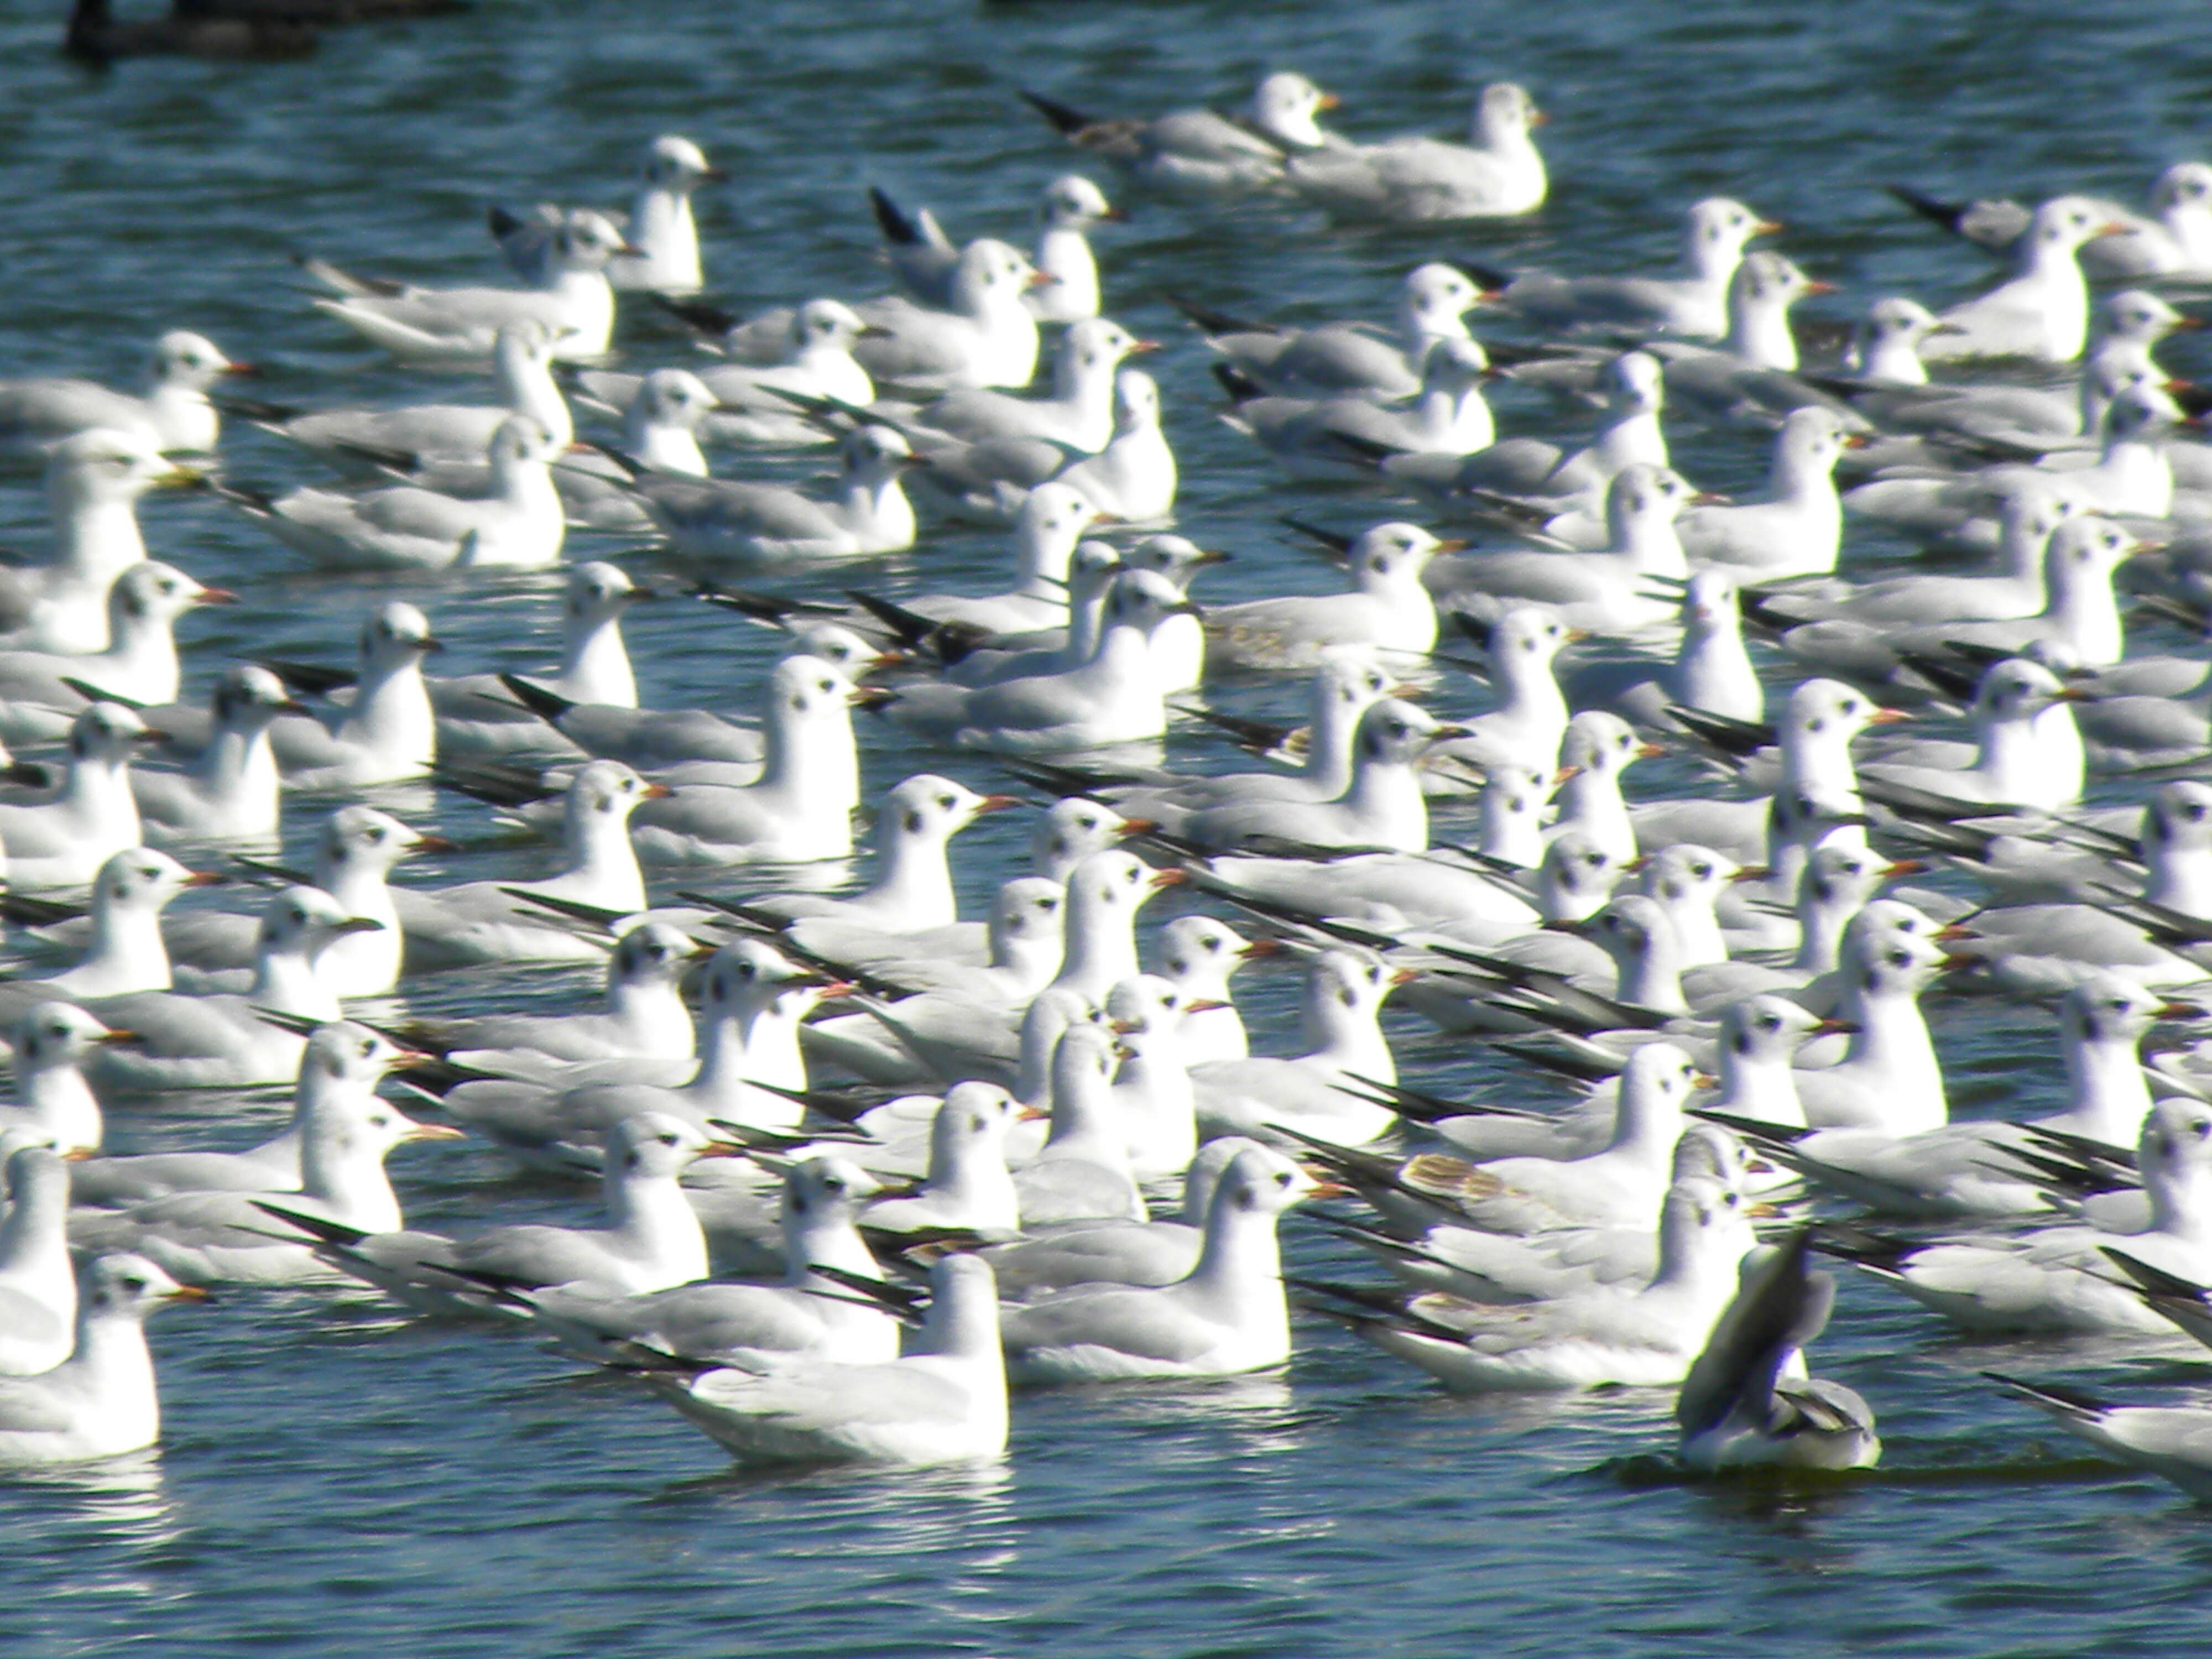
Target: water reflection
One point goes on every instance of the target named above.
(94, 1529)
(125, 1499)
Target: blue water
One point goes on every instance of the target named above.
(336, 1481)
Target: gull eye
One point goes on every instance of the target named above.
(667, 1139)
(374, 834)
(134, 1284)
(1899, 959)
(367, 1047)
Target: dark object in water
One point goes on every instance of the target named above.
(96, 36)
(321, 13)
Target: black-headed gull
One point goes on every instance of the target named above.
(175, 414)
(51, 1042)
(1747, 1402)
(718, 1323)
(641, 1015)
(1141, 1253)
(486, 920)
(1312, 1093)
(1349, 359)
(923, 258)
(388, 732)
(1381, 805)
(1498, 173)
(64, 841)
(518, 523)
(1646, 1336)
(37, 1283)
(206, 1238)
(1077, 411)
(1389, 609)
(663, 234)
(1228, 1315)
(2043, 312)
(222, 1040)
(1445, 416)
(2175, 240)
(1115, 697)
(1695, 305)
(1083, 1172)
(101, 1402)
(522, 382)
(866, 513)
(338, 1056)
(2057, 1280)
(650, 1241)
(943, 1400)
(1201, 150)
(94, 481)
(572, 298)
(2173, 1443)
(124, 948)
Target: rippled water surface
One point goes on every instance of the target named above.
(338, 1482)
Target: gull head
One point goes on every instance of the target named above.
(192, 361)
(1071, 202)
(397, 634)
(607, 792)
(54, 1034)
(362, 836)
(139, 878)
(128, 1286)
(677, 163)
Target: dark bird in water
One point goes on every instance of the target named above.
(97, 37)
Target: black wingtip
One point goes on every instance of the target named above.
(1065, 121)
(548, 706)
(1241, 388)
(2051, 1394)
(1949, 215)
(1216, 322)
(892, 220)
(1336, 540)
(707, 319)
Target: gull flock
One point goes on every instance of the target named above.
(862, 1161)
